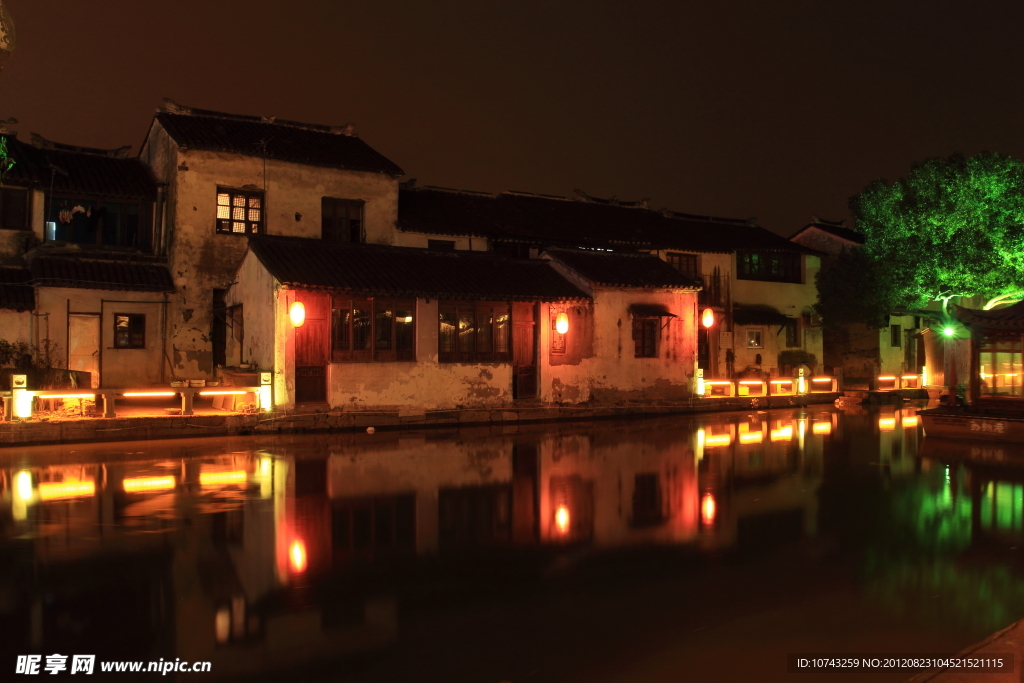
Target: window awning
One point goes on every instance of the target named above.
(651, 311)
(758, 315)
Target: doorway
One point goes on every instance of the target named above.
(524, 363)
(311, 350)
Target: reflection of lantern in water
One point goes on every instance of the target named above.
(297, 556)
(562, 519)
(707, 509)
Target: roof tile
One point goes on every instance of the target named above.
(97, 274)
(623, 269)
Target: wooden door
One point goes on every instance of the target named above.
(524, 363)
(84, 346)
(312, 349)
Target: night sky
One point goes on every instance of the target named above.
(774, 110)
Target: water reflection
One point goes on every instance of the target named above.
(259, 554)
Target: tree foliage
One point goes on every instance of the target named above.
(952, 227)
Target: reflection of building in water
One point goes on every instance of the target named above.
(195, 556)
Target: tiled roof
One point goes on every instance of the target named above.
(16, 293)
(839, 231)
(758, 314)
(96, 274)
(376, 270)
(552, 221)
(78, 170)
(623, 270)
(256, 136)
(1010, 318)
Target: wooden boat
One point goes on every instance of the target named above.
(995, 410)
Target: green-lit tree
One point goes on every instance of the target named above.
(953, 227)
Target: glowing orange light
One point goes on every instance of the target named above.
(751, 381)
(297, 556)
(887, 378)
(297, 313)
(130, 394)
(707, 318)
(910, 421)
(223, 478)
(782, 434)
(562, 323)
(823, 379)
(719, 440)
(66, 489)
(562, 519)
(45, 395)
(223, 393)
(887, 424)
(148, 484)
(707, 509)
(822, 428)
(752, 437)
(907, 377)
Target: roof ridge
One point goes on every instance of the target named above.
(172, 107)
(39, 142)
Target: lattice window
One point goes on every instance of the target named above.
(239, 212)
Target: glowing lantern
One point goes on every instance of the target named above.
(707, 509)
(562, 519)
(562, 323)
(948, 331)
(707, 318)
(297, 313)
(297, 556)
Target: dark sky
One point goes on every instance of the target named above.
(775, 110)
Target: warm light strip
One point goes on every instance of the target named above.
(720, 440)
(223, 393)
(822, 428)
(782, 381)
(887, 423)
(910, 421)
(149, 393)
(887, 378)
(221, 478)
(906, 377)
(44, 395)
(713, 382)
(751, 381)
(823, 379)
(66, 489)
(784, 434)
(148, 484)
(752, 437)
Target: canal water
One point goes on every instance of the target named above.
(698, 548)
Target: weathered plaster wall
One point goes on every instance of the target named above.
(420, 240)
(420, 385)
(202, 260)
(16, 326)
(254, 290)
(613, 372)
(118, 367)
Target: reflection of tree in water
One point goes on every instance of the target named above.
(918, 565)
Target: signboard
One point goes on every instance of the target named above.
(725, 339)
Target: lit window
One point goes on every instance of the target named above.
(129, 331)
(473, 332)
(753, 339)
(372, 330)
(239, 212)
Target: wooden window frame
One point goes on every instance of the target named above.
(145, 227)
(896, 336)
(225, 225)
(342, 339)
(769, 266)
(333, 232)
(646, 336)
(485, 346)
(676, 260)
(760, 338)
(793, 325)
(134, 319)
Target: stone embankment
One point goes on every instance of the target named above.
(85, 429)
